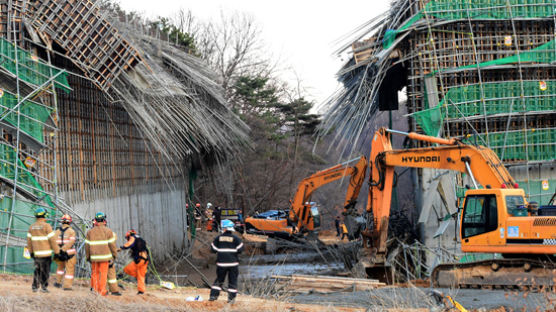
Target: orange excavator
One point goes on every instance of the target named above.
(302, 216)
(496, 217)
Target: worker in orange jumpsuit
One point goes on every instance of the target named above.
(138, 267)
(65, 238)
(100, 249)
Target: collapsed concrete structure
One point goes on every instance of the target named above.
(99, 116)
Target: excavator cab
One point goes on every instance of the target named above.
(315, 215)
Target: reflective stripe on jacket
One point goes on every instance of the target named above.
(100, 244)
(66, 240)
(228, 247)
(41, 240)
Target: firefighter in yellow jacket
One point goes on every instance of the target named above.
(65, 238)
(41, 243)
(100, 249)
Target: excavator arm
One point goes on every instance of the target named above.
(481, 163)
(300, 215)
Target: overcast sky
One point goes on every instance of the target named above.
(301, 32)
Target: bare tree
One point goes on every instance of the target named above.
(233, 46)
(186, 22)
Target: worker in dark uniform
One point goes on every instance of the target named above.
(228, 247)
(217, 217)
(140, 253)
(337, 225)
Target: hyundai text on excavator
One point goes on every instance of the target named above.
(496, 217)
(302, 217)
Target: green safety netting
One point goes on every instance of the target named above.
(25, 178)
(532, 144)
(30, 68)
(543, 54)
(498, 96)
(22, 218)
(477, 9)
(30, 113)
(489, 9)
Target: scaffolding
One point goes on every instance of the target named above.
(123, 139)
(28, 166)
(481, 71)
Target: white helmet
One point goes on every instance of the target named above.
(209, 205)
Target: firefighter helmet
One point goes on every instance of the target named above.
(129, 233)
(40, 212)
(100, 217)
(66, 219)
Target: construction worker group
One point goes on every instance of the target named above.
(100, 250)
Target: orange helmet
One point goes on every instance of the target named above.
(129, 233)
(197, 205)
(66, 219)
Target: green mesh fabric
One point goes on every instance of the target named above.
(543, 54)
(533, 144)
(536, 192)
(30, 68)
(476, 9)
(25, 178)
(489, 9)
(430, 120)
(22, 218)
(30, 113)
(500, 98)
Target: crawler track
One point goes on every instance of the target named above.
(498, 273)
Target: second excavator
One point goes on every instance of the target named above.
(496, 217)
(302, 216)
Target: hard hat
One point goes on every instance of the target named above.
(197, 205)
(130, 232)
(40, 212)
(227, 224)
(209, 205)
(100, 217)
(66, 219)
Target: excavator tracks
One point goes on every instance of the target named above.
(496, 273)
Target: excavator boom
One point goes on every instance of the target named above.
(451, 155)
(302, 217)
(494, 218)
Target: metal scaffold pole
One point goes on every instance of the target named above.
(16, 163)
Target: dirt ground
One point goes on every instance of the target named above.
(16, 295)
